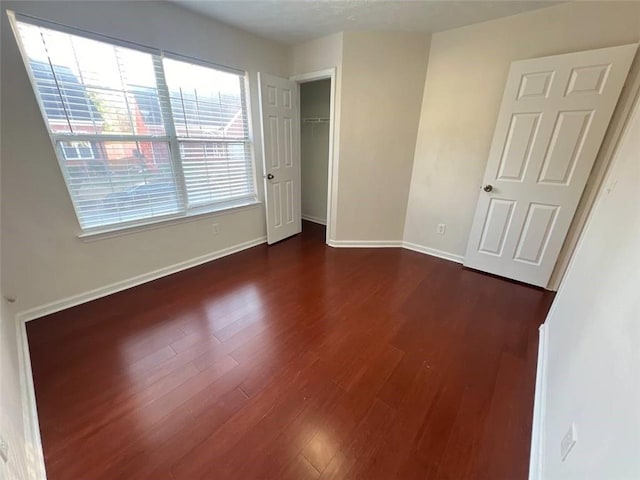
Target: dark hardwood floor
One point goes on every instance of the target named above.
(296, 361)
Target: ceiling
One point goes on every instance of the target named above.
(295, 21)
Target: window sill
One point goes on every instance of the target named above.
(194, 215)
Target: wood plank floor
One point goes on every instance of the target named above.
(295, 361)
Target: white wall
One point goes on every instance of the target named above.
(382, 83)
(593, 360)
(464, 84)
(43, 260)
(315, 100)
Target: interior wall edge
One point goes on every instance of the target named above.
(416, 137)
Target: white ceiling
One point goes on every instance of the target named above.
(295, 21)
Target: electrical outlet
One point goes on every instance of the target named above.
(4, 450)
(215, 229)
(441, 229)
(568, 441)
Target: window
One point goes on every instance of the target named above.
(77, 150)
(140, 136)
(211, 127)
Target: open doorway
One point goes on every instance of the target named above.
(282, 129)
(315, 111)
(318, 161)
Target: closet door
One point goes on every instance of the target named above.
(279, 113)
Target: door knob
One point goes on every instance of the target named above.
(487, 188)
(270, 176)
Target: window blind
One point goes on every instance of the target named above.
(212, 129)
(139, 136)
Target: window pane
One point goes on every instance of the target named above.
(124, 181)
(73, 150)
(69, 151)
(91, 87)
(206, 102)
(85, 150)
(216, 171)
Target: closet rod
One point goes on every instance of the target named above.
(315, 120)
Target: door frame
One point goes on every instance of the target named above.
(619, 119)
(332, 170)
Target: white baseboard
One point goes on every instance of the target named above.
(396, 244)
(313, 219)
(33, 441)
(433, 252)
(58, 305)
(94, 294)
(365, 243)
(539, 407)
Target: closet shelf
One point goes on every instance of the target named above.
(315, 120)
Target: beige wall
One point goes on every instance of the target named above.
(43, 260)
(382, 84)
(314, 148)
(318, 54)
(467, 71)
(593, 336)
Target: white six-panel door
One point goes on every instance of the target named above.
(281, 146)
(554, 114)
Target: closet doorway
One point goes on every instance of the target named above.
(316, 94)
(315, 100)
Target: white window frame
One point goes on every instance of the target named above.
(75, 147)
(170, 138)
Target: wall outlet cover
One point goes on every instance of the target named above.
(4, 450)
(568, 441)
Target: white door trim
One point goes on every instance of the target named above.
(539, 407)
(332, 174)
